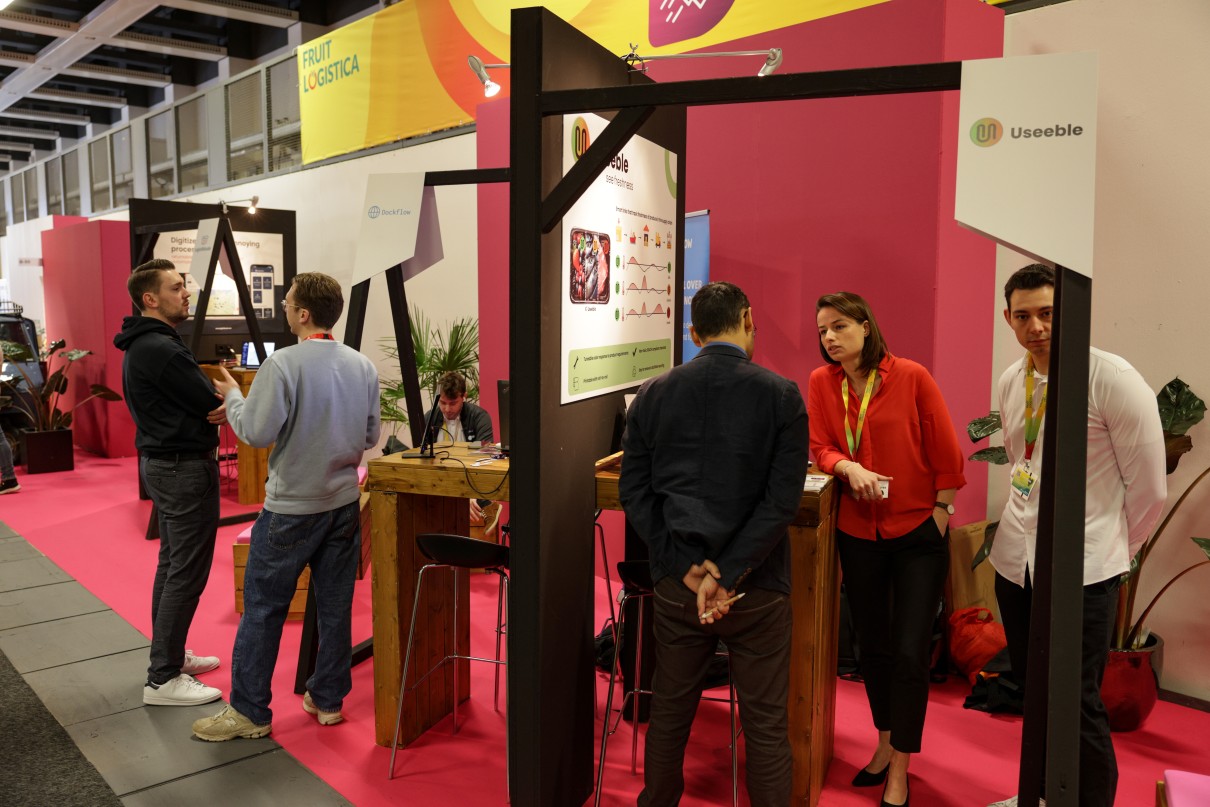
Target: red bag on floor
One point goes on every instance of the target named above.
(975, 639)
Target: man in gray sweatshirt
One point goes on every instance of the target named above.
(317, 404)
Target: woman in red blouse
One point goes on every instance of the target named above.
(880, 426)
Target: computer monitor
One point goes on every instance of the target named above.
(251, 358)
(502, 406)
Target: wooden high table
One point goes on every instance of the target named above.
(415, 496)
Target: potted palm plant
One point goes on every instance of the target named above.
(46, 438)
(1130, 688)
(455, 349)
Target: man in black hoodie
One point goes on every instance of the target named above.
(175, 413)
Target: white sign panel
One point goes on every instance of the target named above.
(1027, 154)
(390, 220)
(618, 260)
(261, 255)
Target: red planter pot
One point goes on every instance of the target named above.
(1131, 684)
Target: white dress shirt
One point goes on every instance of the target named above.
(1127, 484)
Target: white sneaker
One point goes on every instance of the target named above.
(196, 665)
(184, 690)
(1011, 801)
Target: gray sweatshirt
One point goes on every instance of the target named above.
(317, 404)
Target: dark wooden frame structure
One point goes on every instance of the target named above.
(556, 70)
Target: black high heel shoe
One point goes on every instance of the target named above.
(866, 779)
(906, 799)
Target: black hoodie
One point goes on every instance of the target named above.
(167, 393)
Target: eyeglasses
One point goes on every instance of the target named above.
(286, 305)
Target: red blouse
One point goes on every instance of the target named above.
(907, 435)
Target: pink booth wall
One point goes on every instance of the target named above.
(84, 270)
(818, 196)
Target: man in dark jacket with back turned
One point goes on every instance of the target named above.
(175, 411)
(712, 475)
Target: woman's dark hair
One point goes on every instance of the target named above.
(854, 307)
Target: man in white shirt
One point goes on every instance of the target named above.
(1125, 492)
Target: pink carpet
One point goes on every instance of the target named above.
(91, 523)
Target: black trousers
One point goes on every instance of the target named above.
(1098, 765)
(894, 586)
(757, 633)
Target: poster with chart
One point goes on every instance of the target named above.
(618, 261)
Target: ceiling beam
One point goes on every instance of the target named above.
(12, 145)
(119, 75)
(168, 47)
(13, 58)
(45, 117)
(32, 134)
(242, 10)
(37, 24)
(79, 98)
(106, 21)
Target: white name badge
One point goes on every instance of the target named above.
(1023, 481)
(885, 488)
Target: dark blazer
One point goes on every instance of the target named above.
(714, 463)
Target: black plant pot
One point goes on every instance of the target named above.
(47, 452)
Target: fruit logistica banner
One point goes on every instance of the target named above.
(402, 72)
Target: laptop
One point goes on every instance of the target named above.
(251, 359)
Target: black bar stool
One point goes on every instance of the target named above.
(635, 577)
(457, 552)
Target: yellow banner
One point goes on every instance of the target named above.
(402, 72)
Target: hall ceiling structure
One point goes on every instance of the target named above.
(66, 64)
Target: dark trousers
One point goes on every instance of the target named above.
(894, 586)
(1098, 765)
(185, 493)
(757, 633)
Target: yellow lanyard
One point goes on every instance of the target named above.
(1032, 424)
(855, 441)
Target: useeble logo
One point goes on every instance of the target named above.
(375, 211)
(986, 132)
(580, 138)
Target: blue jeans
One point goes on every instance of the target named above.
(282, 546)
(6, 459)
(185, 493)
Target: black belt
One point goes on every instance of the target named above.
(176, 456)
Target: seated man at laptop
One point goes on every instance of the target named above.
(462, 421)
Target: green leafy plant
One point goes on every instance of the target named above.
(1180, 409)
(41, 406)
(454, 349)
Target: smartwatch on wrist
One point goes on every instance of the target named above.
(949, 508)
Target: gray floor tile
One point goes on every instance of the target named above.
(76, 638)
(17, 548)
(95, 688)
(6, 531)
(31, 572)
(29, 606)
(145, 747)
(267, 780)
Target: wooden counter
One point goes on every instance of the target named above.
(412, 496)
